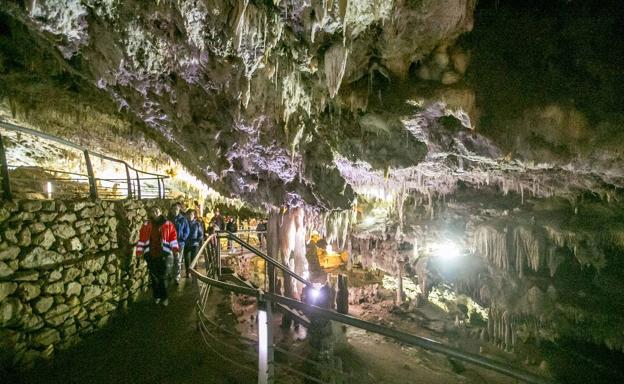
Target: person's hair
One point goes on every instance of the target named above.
(191, 210)
(176, 204)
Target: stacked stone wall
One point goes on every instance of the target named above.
(66, 267)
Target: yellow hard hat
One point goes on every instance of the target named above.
(314, 236)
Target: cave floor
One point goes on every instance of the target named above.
(368, 358)
(156, 344)
(149, 344)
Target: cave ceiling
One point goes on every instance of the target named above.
(316, 101)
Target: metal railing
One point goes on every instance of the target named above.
(265, 365)
(20, 177)
(254, 350)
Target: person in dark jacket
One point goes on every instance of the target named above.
(233, 228)
(261, 231)
(157, 243)
(182, 229)
(194, 240)
(217, 219)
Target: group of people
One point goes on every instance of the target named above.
(166, 243)
(169, 244)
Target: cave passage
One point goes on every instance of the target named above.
(444, 178)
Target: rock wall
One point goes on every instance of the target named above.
(65, 269)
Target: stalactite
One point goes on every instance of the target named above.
(337, 225)
(526, 249)
(400, 200)
(554, 260)
(492, 244)
(335, 65)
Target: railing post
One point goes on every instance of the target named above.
(6, 183)
(164, 188)
(218, 255)
(211, 270)
(92, 186)
(160, 195)
(138, 184)
(270, 276)
(129, 181)
(265, 343)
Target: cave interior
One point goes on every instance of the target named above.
(467, 155)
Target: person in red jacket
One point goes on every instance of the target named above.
(158, 243)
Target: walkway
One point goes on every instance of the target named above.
(149, 344)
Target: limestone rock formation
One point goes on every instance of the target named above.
(495, 125)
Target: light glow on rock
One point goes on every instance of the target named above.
(447, 251)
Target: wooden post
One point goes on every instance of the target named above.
(92, 186)
(160, 194)
(266, 369)
(6, 183)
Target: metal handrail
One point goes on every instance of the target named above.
(264, 256)
(400, 336)
(93, 189)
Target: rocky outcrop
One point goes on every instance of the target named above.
(66, 267)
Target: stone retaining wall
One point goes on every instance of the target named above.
(65, 268)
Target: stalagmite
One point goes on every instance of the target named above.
(399, 292)
(273, 244)
(287, 235)
(299, 246)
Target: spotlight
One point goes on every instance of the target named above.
(49, 189)
(315, 293)
(447, 251)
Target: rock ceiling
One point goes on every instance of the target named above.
(291, 101)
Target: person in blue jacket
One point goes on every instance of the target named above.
(182, 229)
(195, 239)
